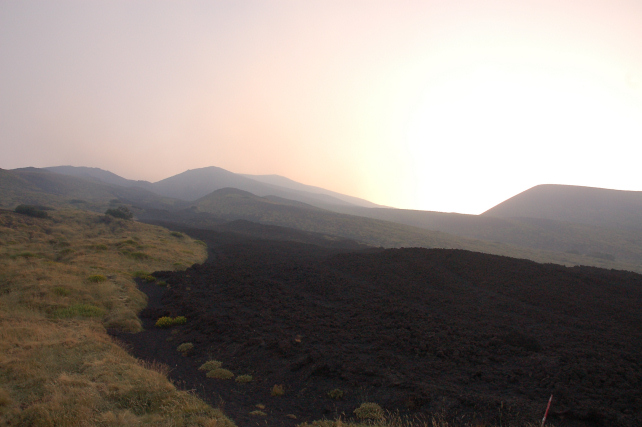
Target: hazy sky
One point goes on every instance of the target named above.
(437, 105)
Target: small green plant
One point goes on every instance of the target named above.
(78, 310)
(29, 210)
(335, 394)
(149, 279)
(369, 411)
(140, 274)
(200, 242)
(120, 212)
(210, 365)
(180, 320)
(168, 322)
(242, 379)
(221, 374)
(185, 348)
(96, 278)
(161, 283)
(101, 247)
(277, 390)
(176, 234)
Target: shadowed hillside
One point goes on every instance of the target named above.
(42, 187)
(586, 205)
(232, 204)
(542, 234)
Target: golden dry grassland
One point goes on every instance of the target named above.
(63, 281)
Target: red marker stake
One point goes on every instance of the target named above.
(547, 408)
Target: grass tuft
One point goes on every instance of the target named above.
(185, 348)
(168, 322)
(243, 379)
(220, 373)
(369, 411)
(277, 390)
(210, 365)
(97, 278)
(78, 310)
(335, 394)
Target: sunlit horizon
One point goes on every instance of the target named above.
(416, 105)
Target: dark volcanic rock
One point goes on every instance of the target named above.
(416, 330)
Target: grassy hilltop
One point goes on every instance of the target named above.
(63, 281)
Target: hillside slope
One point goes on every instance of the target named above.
(586, 205)
(43, 187)
(589, 241)
(232, 204)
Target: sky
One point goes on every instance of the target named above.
(442, 105)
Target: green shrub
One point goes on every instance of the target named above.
(29, 210)
(140, 274)
(164, 322)
(210, 365)
(149, 278)
(185, 348)
(168, 322)
(335, 394)
(242, 379)
(369, 411)
(200, 242)
(78, 310)
(221, 374)
(277, 390)
(97, 278)
(101, 247)
(177, 234)
(161, 283)
(121, 212)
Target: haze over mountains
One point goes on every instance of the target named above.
(548, 223)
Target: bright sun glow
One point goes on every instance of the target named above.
(476, 129)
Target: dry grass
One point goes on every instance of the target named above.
(57, 364)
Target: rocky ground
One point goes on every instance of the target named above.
(419, 331)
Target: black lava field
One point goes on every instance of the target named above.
(471, 336)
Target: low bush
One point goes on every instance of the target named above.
(242, 379)
(140, 274)
(168, 322)
(97, 278)
(177, 234)
(210, 365)
(335, 394)
(277, 390)
(149, 279)
(121, 212)
(369, 411)
(185, 348)
(221, 374)
(29, 210)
